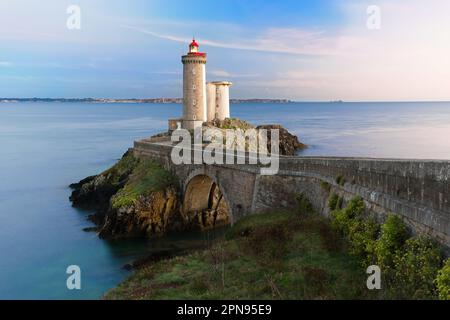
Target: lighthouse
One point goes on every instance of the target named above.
(202, 102)
(194, 87)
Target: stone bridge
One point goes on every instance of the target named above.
(417, 190)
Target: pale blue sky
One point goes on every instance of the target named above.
(302, 50)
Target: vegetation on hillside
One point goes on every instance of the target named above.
(299, 254)
(146, 177)
(410, 266)
(279, 255)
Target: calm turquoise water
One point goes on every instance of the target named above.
(46, 146)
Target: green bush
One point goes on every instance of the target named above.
(340, 203)
(325, 186)
(363, 235)
(304, 205)
(340, 180)
(416, 268)
(344, 218)
(443, 281)
(332, 201)
(393, 236)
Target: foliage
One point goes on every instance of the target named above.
(147, 177)
(278, 255)
(443, 281)
(363, 235)
(304, 205)
(332, 201)
(416, 267)
(340, 203)
(343, 219)
(118, 173)
(409, 266)
(340, 180)
(393, 235)
(325, 186)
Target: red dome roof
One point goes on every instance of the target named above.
(194, 43)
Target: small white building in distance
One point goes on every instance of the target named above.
(202, 102)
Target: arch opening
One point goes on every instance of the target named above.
(205, 204)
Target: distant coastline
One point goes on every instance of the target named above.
(149, 100)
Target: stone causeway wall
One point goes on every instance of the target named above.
(417, 190)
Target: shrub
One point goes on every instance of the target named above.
(340, 180)
(340, 203)
(362, 235)
(443, 281)
(332, 201)
(325, 186)
(304, 205)
(416, 268)
(343, 218)
(393, 235)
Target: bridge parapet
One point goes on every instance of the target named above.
(417, 190)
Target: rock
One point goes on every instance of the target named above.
(78, 185)
(126, 203)
(95, 192)
(138, 198)
(158, 255)
(289, 143)
(229, 123)
(90, 229)
(153, 214)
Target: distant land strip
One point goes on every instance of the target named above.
(152, 100)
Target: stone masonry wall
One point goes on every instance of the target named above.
(417, 190)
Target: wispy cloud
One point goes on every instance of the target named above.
(224, 73)
(273, 40)
(6, 64)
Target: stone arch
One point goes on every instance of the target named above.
(205, 200)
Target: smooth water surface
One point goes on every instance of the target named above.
(46, 146)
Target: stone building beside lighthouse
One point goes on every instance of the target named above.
(202, 102)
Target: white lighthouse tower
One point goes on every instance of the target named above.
(202, 102)
(194, 87)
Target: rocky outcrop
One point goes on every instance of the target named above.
(289, 143)
(132, 198)
(95, 192)
(154, 213)
(139, 198)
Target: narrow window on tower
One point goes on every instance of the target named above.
(193, 70)
(194, 102)
(194, 87)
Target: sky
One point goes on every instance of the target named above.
(317, 50)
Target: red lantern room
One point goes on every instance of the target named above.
(193, 49)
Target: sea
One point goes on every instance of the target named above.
(44, 147)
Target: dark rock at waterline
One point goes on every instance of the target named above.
(154, 257)
(289, 143)
(90, 229)
(95, 192)
(79, 184)
(153, 213)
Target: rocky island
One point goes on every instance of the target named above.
(136, 198)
